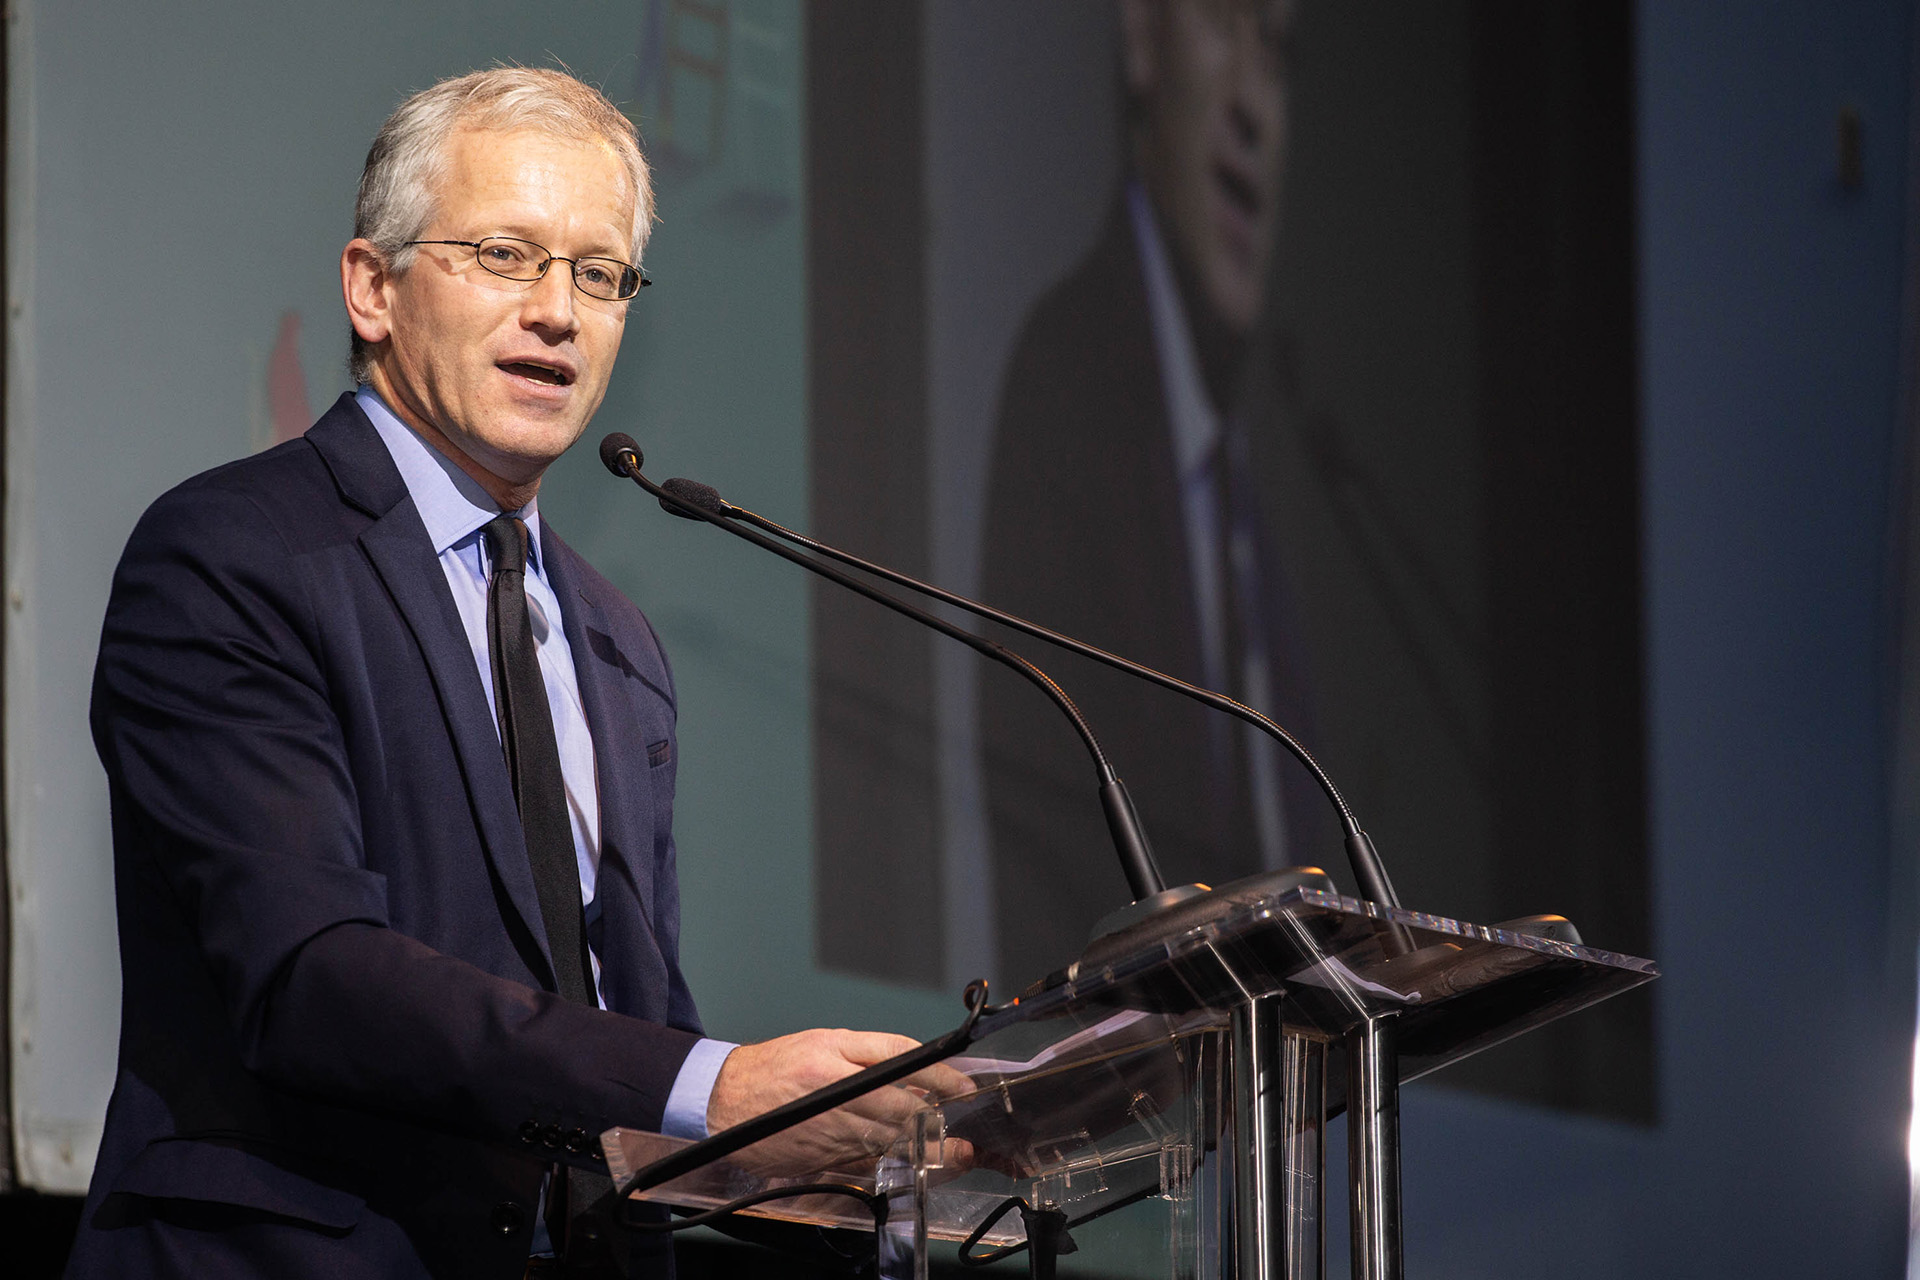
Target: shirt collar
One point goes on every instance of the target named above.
(451, 503)
(1196, 425)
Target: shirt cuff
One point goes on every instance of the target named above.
(686, 1114)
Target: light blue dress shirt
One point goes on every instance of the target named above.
(454, 508)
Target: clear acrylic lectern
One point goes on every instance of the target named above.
(1195, 1057)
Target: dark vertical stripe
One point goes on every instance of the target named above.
(1554, 243)
(877, 904)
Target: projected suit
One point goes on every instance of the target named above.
(1086, 532)
(340, 1051)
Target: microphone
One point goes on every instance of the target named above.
(615, 450)
(693, 500)
(696, 501)
(702, 496)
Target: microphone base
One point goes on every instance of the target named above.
(1174, 911)
(1171, 912)
(1153, 904)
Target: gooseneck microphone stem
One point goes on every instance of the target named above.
(1361, 855)
(622, 457)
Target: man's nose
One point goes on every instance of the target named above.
(549, 300)
(1254, 99)
(1255, 79)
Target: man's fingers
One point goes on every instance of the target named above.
(895, 1102)
(891, 1106)
(867, 1048)
(759, 1077)
(940, 1081)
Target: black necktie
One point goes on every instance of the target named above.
(1250, 585)
(533, 762)
(533, 757)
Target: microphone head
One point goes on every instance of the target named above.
(616, 444)
(694, 494)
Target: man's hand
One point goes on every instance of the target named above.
(756, 1078)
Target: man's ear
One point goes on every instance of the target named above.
(1140, 35)
(364, 281)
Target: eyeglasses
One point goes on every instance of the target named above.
(510, 259)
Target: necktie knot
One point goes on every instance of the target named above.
(507, 543)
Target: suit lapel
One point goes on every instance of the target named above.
(397, 545)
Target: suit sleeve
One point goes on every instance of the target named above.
(230, 779)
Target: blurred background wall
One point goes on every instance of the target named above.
(178, 186)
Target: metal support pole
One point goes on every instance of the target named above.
(1258, 1119)
(1279, 1110)
(1373, 1148)
(1305, 1062)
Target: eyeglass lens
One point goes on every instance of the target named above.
(511, 259)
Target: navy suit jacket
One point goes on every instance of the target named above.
(340, 1053)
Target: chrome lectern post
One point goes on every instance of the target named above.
(1279, 1108)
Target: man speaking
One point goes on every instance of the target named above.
(392, 772)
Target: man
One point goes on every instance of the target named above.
(392, 772)
(1121, 506)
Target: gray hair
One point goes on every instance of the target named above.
(401, 182)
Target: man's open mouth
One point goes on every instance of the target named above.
(533, 371)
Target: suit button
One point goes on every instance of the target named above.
(530, 1133)
(578, 1142)
(552, 1137)
(508, 1218)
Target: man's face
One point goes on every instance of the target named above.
(1208, 77)
(508, 373)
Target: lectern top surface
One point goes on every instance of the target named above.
(1334, 960)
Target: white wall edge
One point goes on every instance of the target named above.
(51, 1153)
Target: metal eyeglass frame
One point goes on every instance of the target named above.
(540, 272)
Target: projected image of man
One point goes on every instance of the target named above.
(1121, 502)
